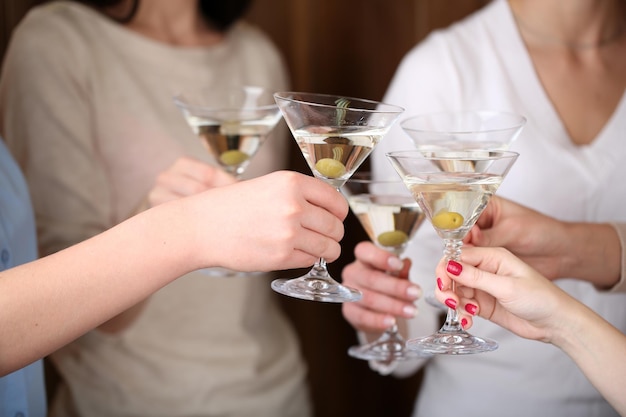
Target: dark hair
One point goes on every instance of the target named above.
(220, 14)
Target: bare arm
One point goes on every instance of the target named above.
(500, 287)
(598, 349)
(185, 177)
(53, 300)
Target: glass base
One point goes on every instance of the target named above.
(452, 343)
(314, 288)
(389, 347)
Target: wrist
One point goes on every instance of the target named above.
(593, 254)
(181, 235)
(568, 320)
(578, 330)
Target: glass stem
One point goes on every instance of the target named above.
(393, 329)
(321, 263)
(452, 251)
(319, 270)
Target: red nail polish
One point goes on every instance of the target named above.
(451, 303)
(463, 323)
(454, 268)
(439, 284)
(471, 308)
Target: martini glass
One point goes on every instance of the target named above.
(335, 135)
(463, 130)
(232, 122)
(390, 216)
(453, 188)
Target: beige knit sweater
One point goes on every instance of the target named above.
(86, 107)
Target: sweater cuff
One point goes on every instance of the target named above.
(620, 228)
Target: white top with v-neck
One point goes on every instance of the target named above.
(481, 63)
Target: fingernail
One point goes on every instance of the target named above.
(454, 268)
(414, 292)
(409, 311)
(395, 263)
(451, 303)
(439, 284)
(463, 323)
(389, 321)
(471, 308)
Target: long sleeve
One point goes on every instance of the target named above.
(87, 105)
(47, 123)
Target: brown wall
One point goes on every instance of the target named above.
(348, 47)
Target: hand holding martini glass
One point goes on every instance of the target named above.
(232, 121)
(452, 188)
(335, 135)
(390, 216)
(462, 130)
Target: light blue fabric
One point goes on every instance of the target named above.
(22, 393)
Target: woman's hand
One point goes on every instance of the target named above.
(556, 249)
(538, 240)
(496, 285)
(282, 220)
(187, 176)
(387, 292)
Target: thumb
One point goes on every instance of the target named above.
(480, 237)
(487, 269)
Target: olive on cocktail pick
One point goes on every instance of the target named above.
(233, 157)
(447, 220)
(330, 168)
(392, 239)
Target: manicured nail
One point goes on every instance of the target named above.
(454, 268)
(463, 323)
(439, 284)
(409, 311)
(414, 292)
(389, 321)
(395, 263)
(451, 303)
(471, 308)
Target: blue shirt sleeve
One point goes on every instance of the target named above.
(22, 393)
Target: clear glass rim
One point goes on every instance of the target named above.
(518, 121)
(182, 100)
(481, 155)
(357, 177)
(381, 107)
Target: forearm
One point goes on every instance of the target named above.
(598, 349)
(52, 301)
(594, 254)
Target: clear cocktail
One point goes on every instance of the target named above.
(452, 188)
(335, 134)
(390, 217)
(232, 124)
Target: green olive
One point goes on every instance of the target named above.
(448, 220)
(233, 157)
(330, 168)
(393, 238)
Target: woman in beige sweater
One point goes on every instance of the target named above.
(86, 107)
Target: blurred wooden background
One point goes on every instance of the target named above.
(347, 47)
